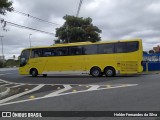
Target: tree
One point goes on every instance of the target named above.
(14, 57)
(151, 51)
(77, 29)
(5, 5)
(1, 64)
(11, 63)
(145, 52)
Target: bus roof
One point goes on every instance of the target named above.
(84, 43)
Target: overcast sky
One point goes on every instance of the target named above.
(118, 19)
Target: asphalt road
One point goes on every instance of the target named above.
(13, 76)
(83, 93)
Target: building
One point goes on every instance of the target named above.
(157, 49)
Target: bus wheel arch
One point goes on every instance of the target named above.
(95, 71)
(34, 72)
(109, 71)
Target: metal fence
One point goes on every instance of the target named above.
(151, 62)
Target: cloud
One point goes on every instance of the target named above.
(118, 19)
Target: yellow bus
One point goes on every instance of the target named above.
(96, 59)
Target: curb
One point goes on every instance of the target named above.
(150, 73)
(4, 93)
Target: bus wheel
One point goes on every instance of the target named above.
(34, 73)
(44, 75)
(96, 72)
(109, 71)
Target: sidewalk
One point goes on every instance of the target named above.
(150, 72)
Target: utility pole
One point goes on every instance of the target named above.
(79, 7)
(2, 47)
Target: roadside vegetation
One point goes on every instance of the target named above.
(9, 63)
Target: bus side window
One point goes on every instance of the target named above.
(46, 52)
(76, 50)
(49, 52)
(53, 52)
(106, 48)
(121, 47)
(132, 46)
(62, 51)
(90, 49)
(36, 53)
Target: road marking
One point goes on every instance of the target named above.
(58, 88)
(16, 86)
(87, 85)
(66, 87)
(4, 84)
(20, 94)
(32, 97)
(42, 84)
(94, 87)
(39, 98)
(26, 89)
(74, 90)
(108, 86)
(4, 81)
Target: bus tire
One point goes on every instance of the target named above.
(34, 72)
(109, 71)
(96, 72)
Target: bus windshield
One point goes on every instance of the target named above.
(24, 57)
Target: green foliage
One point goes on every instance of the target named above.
(145, 52)
(14, 57)
(11, 63)
(77, 29)
(5, 5)
(151, 51)
(1, 64)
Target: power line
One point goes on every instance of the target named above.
(28, 15)
(79, 7)
(25, 27)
